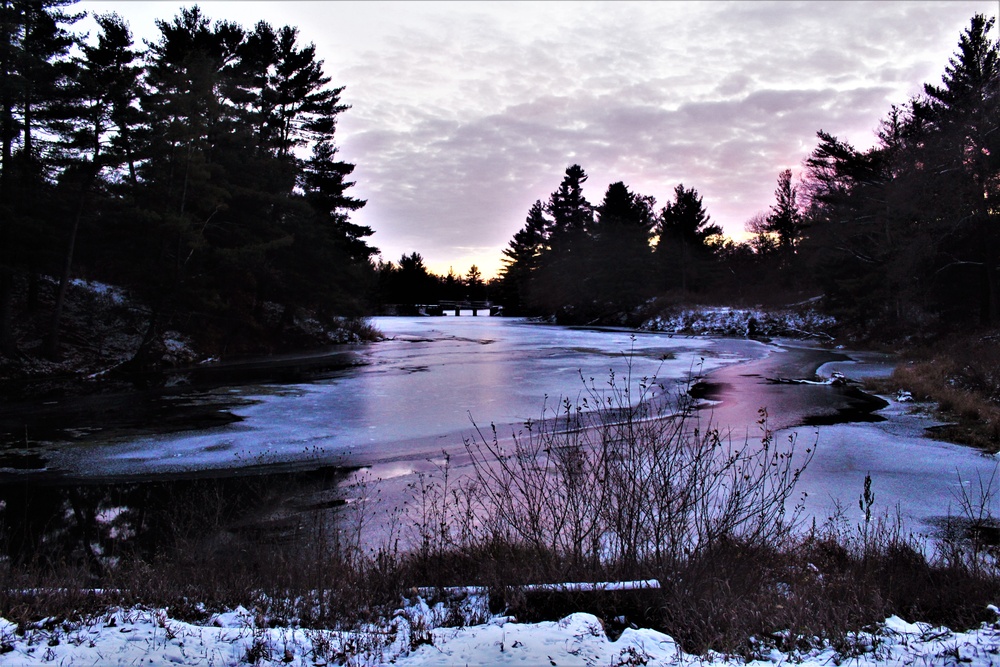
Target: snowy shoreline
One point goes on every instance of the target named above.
(416, 635)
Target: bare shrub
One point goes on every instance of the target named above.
(971, 539)
(628, 482)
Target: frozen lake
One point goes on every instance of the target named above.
(403, 399)
(397, 405)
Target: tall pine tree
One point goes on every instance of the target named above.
(683, 231)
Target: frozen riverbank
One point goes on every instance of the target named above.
(402, 398)
(432, 374)
(391, 409)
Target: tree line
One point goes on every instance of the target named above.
(200, 172)
(584, 263)
(408, 283)
(897, 238)
(905, 234)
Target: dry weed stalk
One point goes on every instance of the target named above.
(628, 483)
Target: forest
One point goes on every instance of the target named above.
(200, 173)
(897, 239)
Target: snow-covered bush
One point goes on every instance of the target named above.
(178, 349)
(734, 322)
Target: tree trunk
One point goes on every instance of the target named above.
(7, 138)
(7, 132)
(129, 155)
(142, 355)
(6, 169)
(7, 346)
(52, 340)
(987, 295)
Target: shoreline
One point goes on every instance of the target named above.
(771, 383)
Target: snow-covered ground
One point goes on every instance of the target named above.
(115, 295)
(415, 636)
(725, 321)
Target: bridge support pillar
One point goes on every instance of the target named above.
(458, 311)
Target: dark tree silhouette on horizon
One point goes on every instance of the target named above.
(684, 229)
(177, 172)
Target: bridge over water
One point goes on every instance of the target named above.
(446, 307)
(458, 306)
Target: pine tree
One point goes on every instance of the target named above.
(41, 63)
(521, 259)
(961, 148)
(561, 282)
(570, 212)
(474, 285)
(103, 81)
(621, 269)
(9, 84)
(854, 218)
(329, 257)
(325, 185)
(906, 231)
(683, 230)
(785, 219)
(414, 284)
(34, 45)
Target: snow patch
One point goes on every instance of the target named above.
(178, 349)
(737, 322)
(115, 295)
(415, 636)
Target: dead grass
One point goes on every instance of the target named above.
(738, 595)
(962, 377)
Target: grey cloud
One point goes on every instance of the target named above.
(734, 84)
(465, 113)
(719, 97)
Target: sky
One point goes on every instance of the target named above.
(463, 114)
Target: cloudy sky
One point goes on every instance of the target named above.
(464, 113)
